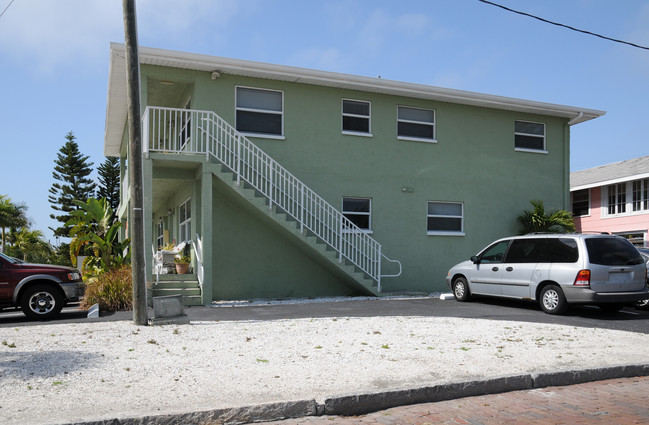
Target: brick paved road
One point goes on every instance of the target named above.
(616, 401)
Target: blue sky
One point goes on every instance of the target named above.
(54, 62)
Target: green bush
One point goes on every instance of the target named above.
(112, 290)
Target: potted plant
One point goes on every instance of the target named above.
(182, 264)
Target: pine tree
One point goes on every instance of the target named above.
(109, 182)
(71, 171)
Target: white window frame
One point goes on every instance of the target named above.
(444, 232)
(416, 122)
(261, 111)
(629, 202)
(368, 117)
(516, 133)
(367, 230)
(185, 222)
(640, 203)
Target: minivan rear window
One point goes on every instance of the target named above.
(612, 252)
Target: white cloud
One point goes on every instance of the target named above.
(52, 33)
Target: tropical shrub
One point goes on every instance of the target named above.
(95, 229)
(112, 289)
(537, 220)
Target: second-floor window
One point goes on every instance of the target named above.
(580, 202)
(260, 112)
(627, 198)
(617, 198)
(529, 136)
(356, 117)
(640, 189)
(415, 124)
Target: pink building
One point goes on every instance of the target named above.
(613, 198)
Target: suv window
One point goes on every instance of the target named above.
(612, 252)
(524, 251)
(560, 250)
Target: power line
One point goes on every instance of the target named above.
(3, 12)
(565, 26)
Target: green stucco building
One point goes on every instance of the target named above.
(291, 182)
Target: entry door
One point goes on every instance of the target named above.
(519, 266)
(486, 276)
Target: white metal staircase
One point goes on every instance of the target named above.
(180, 131)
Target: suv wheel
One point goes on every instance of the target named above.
(461, 289)
(41, 302)
(551, 300)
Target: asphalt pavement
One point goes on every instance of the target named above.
(628, 319)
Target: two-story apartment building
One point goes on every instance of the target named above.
(291, 182)
(613, 198)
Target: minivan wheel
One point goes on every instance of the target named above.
(461, 289)
(41, 302)
(551, 300)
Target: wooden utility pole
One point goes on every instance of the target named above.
(140, 316)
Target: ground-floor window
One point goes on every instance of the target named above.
(185, 221)
(358, 211)
(159, 234)
(636, 238)
(445, 218)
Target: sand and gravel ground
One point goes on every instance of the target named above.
(57, 373)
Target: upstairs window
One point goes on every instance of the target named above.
(260, 112)
(356, 117)
(415, 124)
(640, 189)
(445, 218)
(617, 198)
(358, 211)
(529, 136)
(580, 202)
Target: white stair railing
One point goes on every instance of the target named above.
(204, 132)
(197, 247)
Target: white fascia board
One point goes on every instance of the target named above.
(116, 102)
(612, 181)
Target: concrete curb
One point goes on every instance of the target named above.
(366, 403)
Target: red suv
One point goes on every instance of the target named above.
(40, 290)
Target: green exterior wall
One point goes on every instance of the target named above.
(473, 162)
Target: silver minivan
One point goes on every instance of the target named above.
(555, 270)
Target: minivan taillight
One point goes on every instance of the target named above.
(583, 278)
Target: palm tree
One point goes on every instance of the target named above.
(12, 216)
(33, 246)
(538, 220)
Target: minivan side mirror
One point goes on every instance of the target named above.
(475, 260)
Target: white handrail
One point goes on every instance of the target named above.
(198, 252)
(204, 132)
